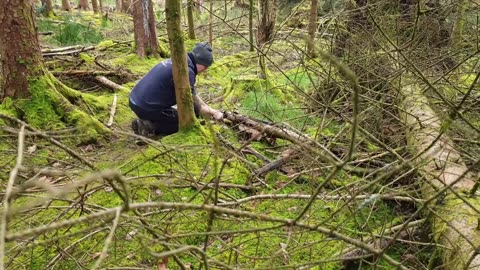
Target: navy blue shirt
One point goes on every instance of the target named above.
(156, 89)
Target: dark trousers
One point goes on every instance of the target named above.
(164, 120)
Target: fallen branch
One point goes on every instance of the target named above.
(112, 111)
(47, 33)
(264, 127)
(80, 73)
(68, 52)
(387, 197)
(286, 156)
(108, 83)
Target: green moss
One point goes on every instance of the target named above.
(87, 58)
(105, 44)
(135, 64)
(48, 109)
(8, 107)
(467, 79)
(39, 111)
(231, 66)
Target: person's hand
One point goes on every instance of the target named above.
(217, 115)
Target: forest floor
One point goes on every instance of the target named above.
(197, 199)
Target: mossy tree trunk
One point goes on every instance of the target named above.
(95, 6)
(39, 97)
(457, 31)
(186, 116)
(191, 26)
(312, 29)
(66, 5)
(144, 28)
(454, 215)
(19, 48)
(83, 4)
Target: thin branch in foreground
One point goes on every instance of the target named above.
(8, 193)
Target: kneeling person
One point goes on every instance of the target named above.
(153, 98)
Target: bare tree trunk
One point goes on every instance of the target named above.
(144, 28)
(95, 6)
(191, 27)
(66, 5)
(210, 23)
(186, 116)
(83, 5)
(118, 5)
(250, 26)
(48, 8)
(126, 6)
(455, 218)
(357, 22)
(312, 29)
(268, 16)
(100, 4)
(19, 48)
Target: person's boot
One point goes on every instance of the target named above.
(143, 128)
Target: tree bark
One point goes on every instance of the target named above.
(210, 23)
(118, 5)
(26, 78)
(457, 31)
(250, 25)
(83, 5)
(191, 27)
(19, 48)
(95, 6)
(66, 5)
(312, 29)
(186, 116)
(48, 8)
(455, 219)
(126, 6)
(268, 16)
(144, 29)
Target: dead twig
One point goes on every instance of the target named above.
(112, 111)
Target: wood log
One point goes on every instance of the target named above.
(268, 128)
(62, 49)
(285, 157)
(455, 215)
(108, 83)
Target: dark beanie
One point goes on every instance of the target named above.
(202, 52)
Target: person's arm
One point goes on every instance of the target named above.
(205, 110)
